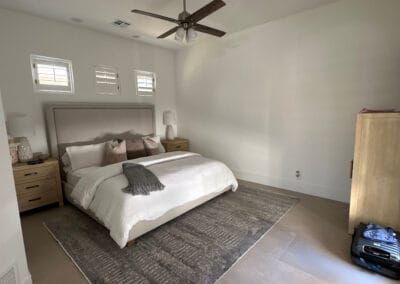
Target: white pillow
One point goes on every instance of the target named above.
(85, 156)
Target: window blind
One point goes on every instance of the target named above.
(145, 83)
(107, 80)
(51, 74)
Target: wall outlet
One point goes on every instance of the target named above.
(298, 174)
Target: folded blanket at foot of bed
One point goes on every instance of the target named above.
(141, 180)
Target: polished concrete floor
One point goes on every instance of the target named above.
(309, 245)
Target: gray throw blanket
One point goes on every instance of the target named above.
(141, 180)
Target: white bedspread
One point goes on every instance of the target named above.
(186, 176)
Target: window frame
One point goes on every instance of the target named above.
(43, 88)
(118, 80)
(154, 79)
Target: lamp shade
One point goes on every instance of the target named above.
(19, 126)
(169, 117)
(191, 35)
(180, 34)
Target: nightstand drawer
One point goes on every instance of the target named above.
(35, 173)
(36, 187)
(34, 200)
(184, 146)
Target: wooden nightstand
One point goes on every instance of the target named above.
(37, 185)
(178, 144)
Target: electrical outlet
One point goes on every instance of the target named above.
(298, 174)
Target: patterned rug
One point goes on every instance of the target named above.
(197, 247)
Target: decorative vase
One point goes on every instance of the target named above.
(14, 152)
(169, 133)
(24, 150)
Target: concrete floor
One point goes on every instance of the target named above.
(309, 245)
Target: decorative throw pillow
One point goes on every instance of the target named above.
(66, 163)
(114, 152)
(153, 145)
(135, 148)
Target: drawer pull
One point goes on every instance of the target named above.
(35, 199)
(178, 146)
(33, 186)
(31, 174)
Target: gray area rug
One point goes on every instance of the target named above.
(197, 247)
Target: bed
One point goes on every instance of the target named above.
(190, 179)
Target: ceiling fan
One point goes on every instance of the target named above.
(187, 23)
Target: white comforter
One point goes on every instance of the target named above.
(186, 176)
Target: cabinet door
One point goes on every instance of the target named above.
(375, 192)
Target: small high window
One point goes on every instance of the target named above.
(106, 80)
(145, 83)
(53, 75)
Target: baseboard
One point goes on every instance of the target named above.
(298, 186)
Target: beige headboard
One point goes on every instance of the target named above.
(85, 123)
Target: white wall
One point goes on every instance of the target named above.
(284, 96)
(12, 250)
(22, 35)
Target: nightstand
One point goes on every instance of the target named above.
(37, 185)
(178, 144)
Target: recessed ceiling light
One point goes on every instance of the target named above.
(76, 20)
(121, 23)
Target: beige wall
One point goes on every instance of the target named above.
(12, 250)
(283, 96)
(22, 35)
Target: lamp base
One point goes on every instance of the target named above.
(169, 133)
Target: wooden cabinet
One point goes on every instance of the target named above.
(178, 144)
(37, 185)
(375, 189)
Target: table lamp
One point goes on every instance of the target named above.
(169, 118)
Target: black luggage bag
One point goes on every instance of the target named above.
(378, 256)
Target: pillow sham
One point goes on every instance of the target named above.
(85, 156)
(114, 152)
(153, 145)
(135, 148)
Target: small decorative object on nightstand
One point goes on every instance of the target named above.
(19, 126)
(37, 185)
(169, 118)
(178, 144)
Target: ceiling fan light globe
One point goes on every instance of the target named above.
(191, 35)
(180, 34)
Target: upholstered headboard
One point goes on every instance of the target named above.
(85, 123)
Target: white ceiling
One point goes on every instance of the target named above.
(98, 14)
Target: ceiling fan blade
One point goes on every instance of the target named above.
(208, 30)
(155, 16)
(168, 33)
(205, 11)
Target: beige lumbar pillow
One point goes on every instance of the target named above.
(114, 152)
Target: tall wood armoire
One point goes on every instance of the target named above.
(375, 189)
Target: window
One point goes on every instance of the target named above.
(106, 80)
(52, 74)
(145, 83)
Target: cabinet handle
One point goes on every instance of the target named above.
(33, 186)
(178, 146)
(31, 174)
(35, 199)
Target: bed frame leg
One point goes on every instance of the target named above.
(130, 243)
